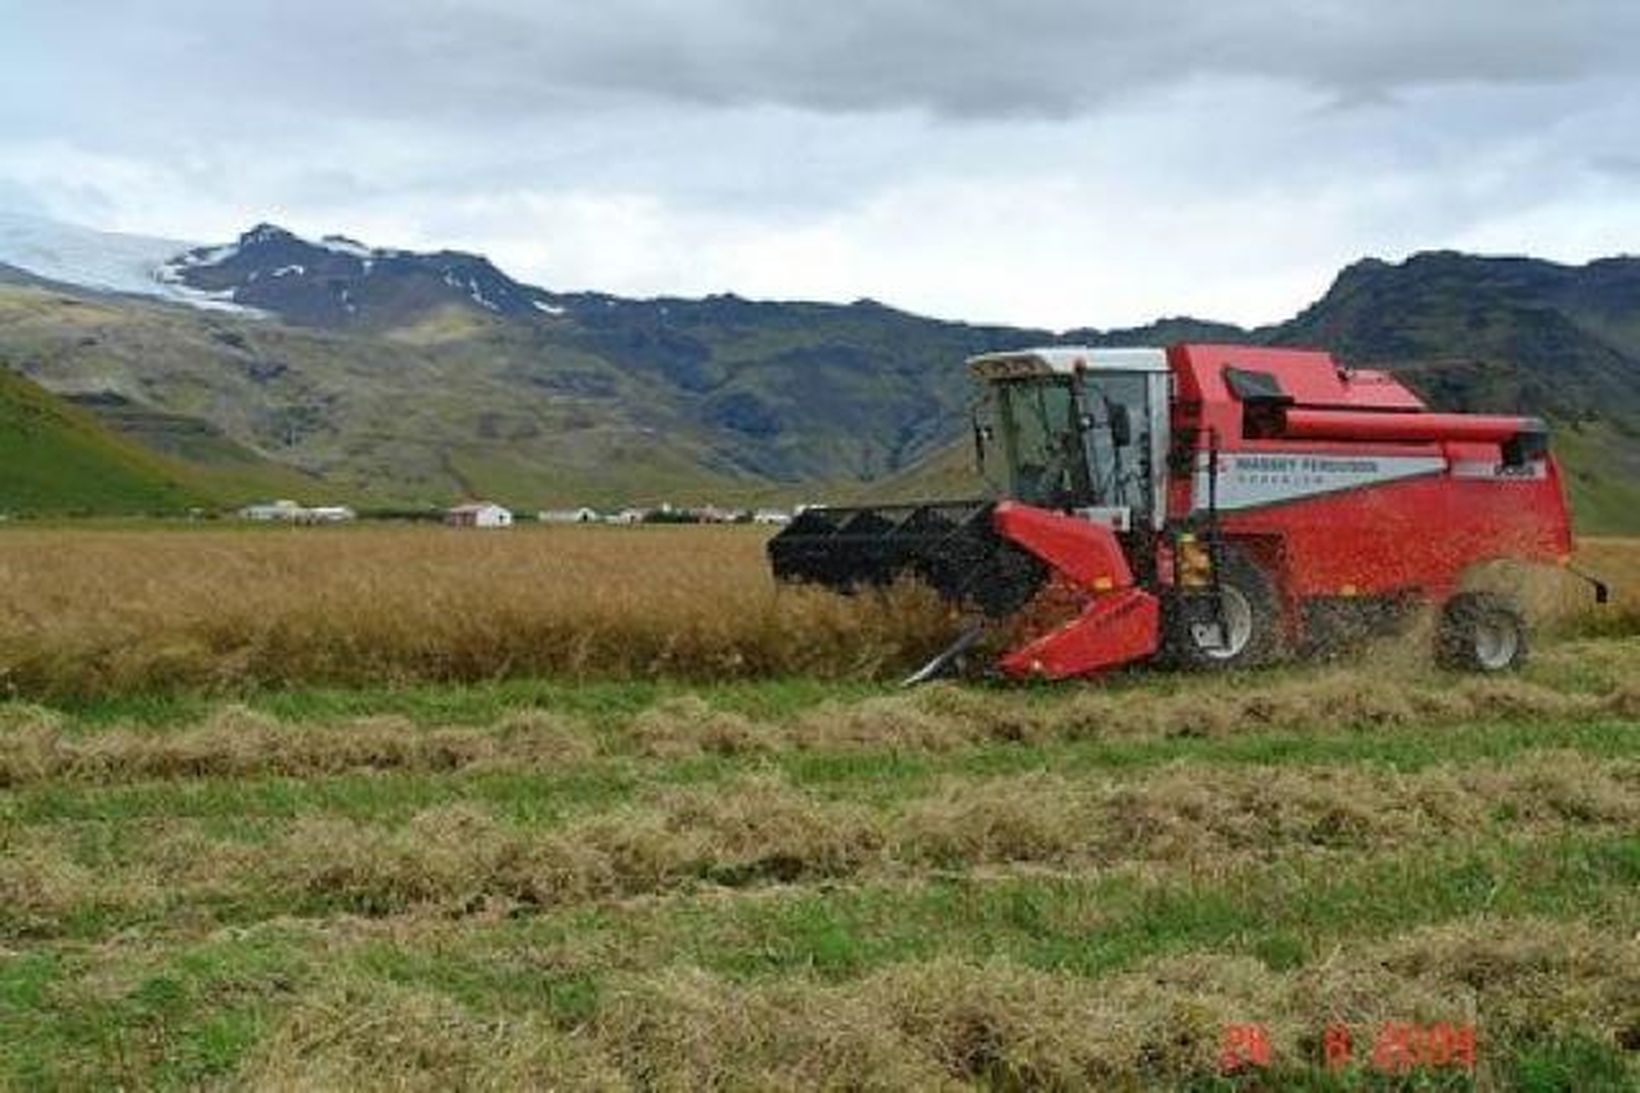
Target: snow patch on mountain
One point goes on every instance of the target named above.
(99, 260)
(267, 271)
(341, 244)
(202, 256)
(476, 294)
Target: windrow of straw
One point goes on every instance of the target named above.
(957, 1024)
(35, 745)
(760, 829)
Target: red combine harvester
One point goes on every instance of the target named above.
(1216, 506)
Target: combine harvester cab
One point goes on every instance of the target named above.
(1215, 506)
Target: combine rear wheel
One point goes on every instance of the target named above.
(1481, 632)
(1241, 630)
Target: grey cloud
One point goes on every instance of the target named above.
(498, 59)
(17, 198)
(1625, 166)
(985, 158)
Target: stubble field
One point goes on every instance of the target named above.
(316, 811)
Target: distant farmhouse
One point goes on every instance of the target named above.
(270, 512)
(479, 514)
(290, 512)
(670, 514)
(582, 515)
(712, 514)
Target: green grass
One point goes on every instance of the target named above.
(542, 796)
(63, 460)
(109, 829)
(59, 459)
(187, 983)
(1286, 914)
(183, 1009)
(1599, 467)
(600, 702)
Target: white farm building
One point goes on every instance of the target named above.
(285, 511)
(289, 512)
(479, 514)
(582, 515)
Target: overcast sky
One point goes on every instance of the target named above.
(1046, 162)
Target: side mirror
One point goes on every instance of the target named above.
(982, 436)
(1121, 424)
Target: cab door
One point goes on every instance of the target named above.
(1126, 439)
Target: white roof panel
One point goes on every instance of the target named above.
(1067, 358)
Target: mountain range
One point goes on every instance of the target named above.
(389, 377)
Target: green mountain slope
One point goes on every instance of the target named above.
(949, 472)
(392, 377)
(209, 458)
(55, 458)
(1494, 333)
(1602, 474)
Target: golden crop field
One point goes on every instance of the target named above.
(1617, 561)
(96, 612)
(116, 612)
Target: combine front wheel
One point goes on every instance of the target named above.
(1242, 629)
(1481, 632)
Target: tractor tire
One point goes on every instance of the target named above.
(1251, 615)
(1481, 632)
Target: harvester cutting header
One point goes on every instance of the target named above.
(1214, 504)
